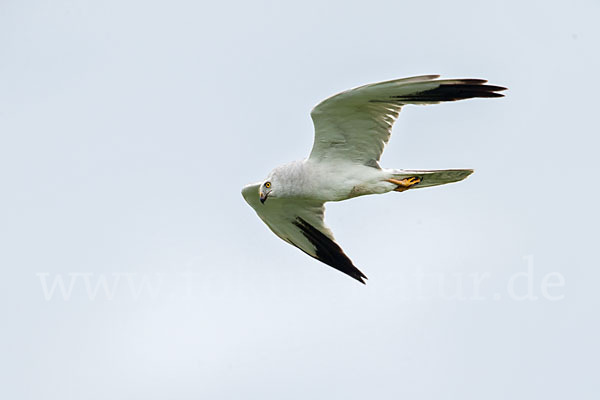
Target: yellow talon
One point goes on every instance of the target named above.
(405, 183)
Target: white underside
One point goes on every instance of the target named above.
(341, 181)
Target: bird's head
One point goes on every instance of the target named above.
(266, 189)
(279, 182)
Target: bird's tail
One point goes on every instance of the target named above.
(431, 177)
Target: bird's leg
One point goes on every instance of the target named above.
(405, 183)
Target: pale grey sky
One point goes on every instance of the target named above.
(129, 127)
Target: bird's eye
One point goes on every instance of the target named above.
(268, 185)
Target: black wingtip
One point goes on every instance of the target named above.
(359, 276)
(328, 252)
(455, 90)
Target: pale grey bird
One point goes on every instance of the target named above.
(351, 130)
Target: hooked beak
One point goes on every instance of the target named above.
(263, 197)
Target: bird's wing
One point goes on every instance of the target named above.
(355, 125)
(301, 224)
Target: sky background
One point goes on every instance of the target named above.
(127, 129)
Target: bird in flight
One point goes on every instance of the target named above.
(351, 130)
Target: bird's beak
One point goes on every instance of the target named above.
(263, 197)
